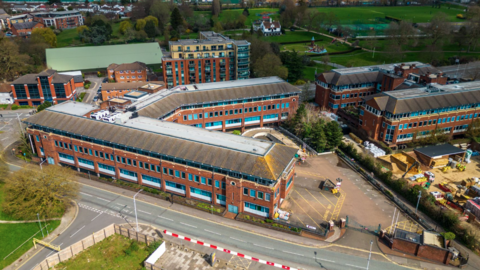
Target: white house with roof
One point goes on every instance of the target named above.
(271, 28)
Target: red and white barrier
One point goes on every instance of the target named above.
(229, 251)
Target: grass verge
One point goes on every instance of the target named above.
(116, 251)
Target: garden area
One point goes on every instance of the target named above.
(116, 252)
(14, 235)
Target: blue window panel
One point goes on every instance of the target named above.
(37, 138)
(177, 173)
(287, 105)
(165, 170)
(197, 178)
(195, 117)
(252, 193)
(283, 105)
(400, 127)
(106, 167)
(203, 180)
(405, 126)
(206, 115)
(217, 184)
(259, 108)
(267, 197)
(190, 177)
(189, 117)
(90, 151)
(76, 148)
(223, 185)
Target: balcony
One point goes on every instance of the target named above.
(222, 63)
(242, 56)
(169, 72)
(191, 70)
(191, 65)
(222, 70)
(243, 68)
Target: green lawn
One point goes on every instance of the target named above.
(13, 235)
(3, 216)
(309, 72)
(115, 252)
(290, 36)
(67, 37)
(348, 15)
(233, 14)
(303, 48)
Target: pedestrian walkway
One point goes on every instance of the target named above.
(26, 221)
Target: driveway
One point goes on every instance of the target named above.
(92, 92)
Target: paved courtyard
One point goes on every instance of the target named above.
(363, 204)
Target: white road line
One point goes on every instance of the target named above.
(356, 266)
(53, 251)
(96, 216)
(103, 199)
(86, 194)
(238, 240)
(263, 246)
(325, 260)
(212, 232)
(293, 253)
(4, 138)
(144, 212)
(77, 231)
(188, 225)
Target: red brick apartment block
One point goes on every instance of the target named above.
(118, 90)
(243, 174)
(125, 73)
(34, 89)
(344, 87)
(25, 29)
(59, 19)
(211, 58)
(399, 117)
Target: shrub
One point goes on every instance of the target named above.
(15, 107)
(153, 246)
(448, 235)
(299, 82)
(268, 220)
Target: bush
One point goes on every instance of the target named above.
(153, 246)
(299, 82)
(15, 107)
(268, 220)
(448, 235)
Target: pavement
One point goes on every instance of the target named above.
(92, 91)
(469, 70)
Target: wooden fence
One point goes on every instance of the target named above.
(89, 241)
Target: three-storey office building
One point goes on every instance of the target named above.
(211, 58)
(240, 173)
(34, 89)
(224, 105)
(399, 117)
(344, 87)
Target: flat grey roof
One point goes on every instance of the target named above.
(200, 135)
(352, 70)
(408, 236)
(73, 108)
(435, 89)
(439, 150)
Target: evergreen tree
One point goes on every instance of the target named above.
(294, 62)
(166, 35)
(334, 134)
(176, 19)
(245, 12)
(251, 30)
(318, 140)
(150, 29)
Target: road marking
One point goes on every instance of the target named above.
(315, 198)
(144, 212)
(53, 251)
(188, 225)
(325, 260)
(238, 240)
(212, 232)
(103, 199)
(96, 216)
(293, 253)
(121, 204)
(165, 218)
(86, 194)
(263, 246)
(77, 231)
(356, 266)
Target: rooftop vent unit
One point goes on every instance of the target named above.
(433, 89)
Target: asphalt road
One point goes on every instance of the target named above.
(99, 208)
(470, 70)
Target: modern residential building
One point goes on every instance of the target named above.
(344, 87)
(400, 117)
(231, 105)
(60, 19)
(6, 94)
(4, 18)
(271, 28)
(211, 58)
(34, 89)
(117, 90)
(25, 29)
(240, 173)
(132, 72)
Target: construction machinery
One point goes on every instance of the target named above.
(411, 167)
(461, 167)
(446, 169)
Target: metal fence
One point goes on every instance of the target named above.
(352, 224)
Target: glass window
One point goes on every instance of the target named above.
(164, 170)
(260, 195)
(197, 178)
(170, 171)
(252, 193)
(177, 173)
(245, 191)
(267, 197)
(209, 181)
(217, 184)
(203, 180)
(190, 177)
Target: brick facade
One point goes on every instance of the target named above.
(432, 253)
(48, 145)
(195, 70)
(126, 73)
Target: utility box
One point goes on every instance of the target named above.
(343, 222)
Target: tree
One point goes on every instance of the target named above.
(270, 65)
(150, 29)
(438, 29)
(334, 134)
(258, 48)
(12, 63)
(251, 30)
(448, 235)
(318, 140)
(216, 8)
(237, 132)
(294, 62)
(473, 130)
(161, 11)
(275, 48)
(245, 12)
(153, 19)
(124, 26)
(218, 27)
(176, 19)
(124, 2)
(47, 34)
(47, 192)
(305, 95)
(82, 28)
(313, 17)
(140, 24)
(186, 10)
(331, 19)
(44, 105)
(141, 35)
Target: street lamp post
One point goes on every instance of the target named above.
(40, 224)
(418, 202)
(41, 168)
(135, 206)
(370, 254)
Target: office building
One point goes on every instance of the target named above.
(230, 105)
(344, 87)
(118, 90)
(34, 89)
(125, 73)
(240, 173)
(400, 117)
(211, 58)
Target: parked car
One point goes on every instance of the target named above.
(105, 80)
(95, 99)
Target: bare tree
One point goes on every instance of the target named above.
(313, 18)
(439, 29)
